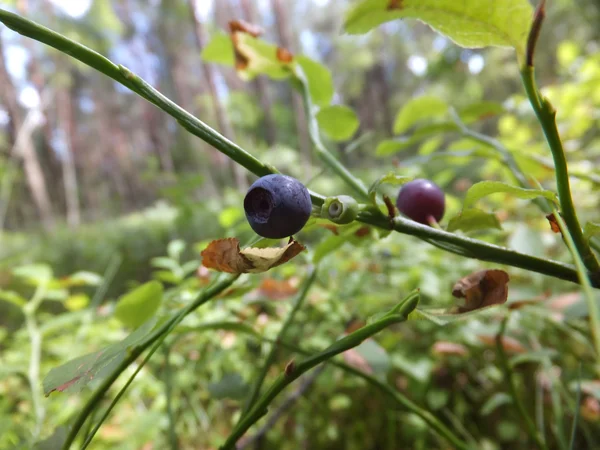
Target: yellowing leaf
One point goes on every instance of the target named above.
(469, 23)
(224, 255)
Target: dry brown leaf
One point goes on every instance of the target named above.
(394, 4)
(225, 255)
(353, 325)
(449, 348)
(362, 232)
(236, 27)
(553, 223)
(332, 228)
(277, 289)
(356, 360)
(590, 409)
(564, 301)
(245, 27)
(482, 288)
(510, 345)
(284, 55)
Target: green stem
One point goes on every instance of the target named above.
(512, 387)
(546, 115)
(506, 156)
(472, 248)
(259, 409)
(585, 283)
(35, 356)
(271, 356)
(169, 398)
(447, 241)
(325, 155)
(135, 352)
(395, 395)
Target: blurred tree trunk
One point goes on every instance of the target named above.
(66, 125)
(209, 75)
(286, 37)
(382, 94)
(260, 85)
(26, 150)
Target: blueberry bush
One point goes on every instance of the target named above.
(355, 307)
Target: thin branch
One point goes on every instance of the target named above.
(136, 351)
(260, 408)
(271, 356)
(546, 115)
(307, 382)
(512, 387)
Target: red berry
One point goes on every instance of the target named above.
(421, 200)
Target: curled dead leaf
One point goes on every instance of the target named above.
(237, 27)
(449, 348)
(245, 27)
(225, 255)
(482, 288)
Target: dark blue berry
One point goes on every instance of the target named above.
(421, 200)
(277, 206)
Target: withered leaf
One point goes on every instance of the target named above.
(449, 348)
(394, 4)
(510, 345)
(553, 223)
(277, 289)
(284, 55)
(241, 26)
(225, 255)
(245, 27)
(482, 288)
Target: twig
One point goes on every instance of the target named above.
(271, 356)
(307, 382)
(35, 356)
(325, 155)
(259, 409)
(399, 398)
(136, 351)
(546, 115)
(512, 387)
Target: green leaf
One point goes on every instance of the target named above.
(232, 386)
(494, 402)
(175, 249)
(35, 274)
(334, 242)
(418, 109)
(469, 23)
(320, 81)
(442, 317)
(219, 50)
(83, 278)
(139, 305)
(473, 219)
(338, 122)
(76, 373)
(391, 146)
(389, 178)
(479, 111)
(261, 57)
(13, 297)
(375, 356)
(54, 441)
(591, 229)
(485, 188)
